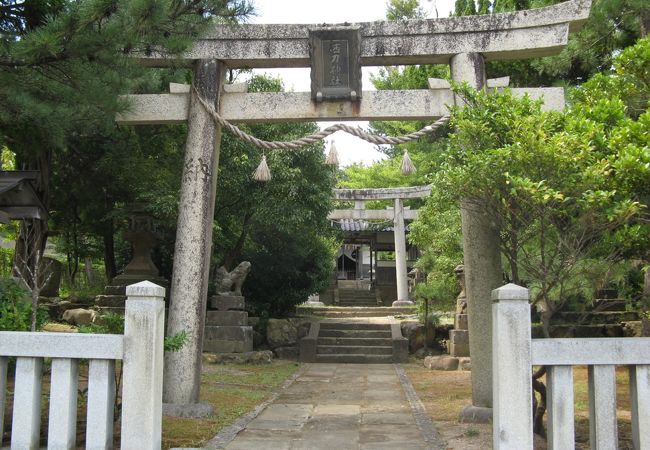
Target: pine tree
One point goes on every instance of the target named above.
(64, 62)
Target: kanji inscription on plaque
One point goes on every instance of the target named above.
(335, 63)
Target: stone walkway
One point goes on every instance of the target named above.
(341, 407)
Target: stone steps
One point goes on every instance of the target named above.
(354, 350)
(345, 312)
(356, 297)
(354, 334)
(354, 359)
(354, 342)
(354, 326)
(358, 341)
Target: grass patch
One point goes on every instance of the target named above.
(233, 390)
(444, 394)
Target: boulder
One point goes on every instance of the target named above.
(633, 328)
(441, 363)
(414, 332)
(423, 353)
(80, 316)
(464, 363)
(288, 353)
(286, 332)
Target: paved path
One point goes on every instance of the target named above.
(341, 407)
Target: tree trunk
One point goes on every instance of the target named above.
(88, 270)
(644, 23)
(234, 254)
(109, 254)
(645, 321)
(33, 232)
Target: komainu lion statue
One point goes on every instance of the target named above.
(230, 283)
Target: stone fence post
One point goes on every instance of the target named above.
(142, 370)
(512, 428)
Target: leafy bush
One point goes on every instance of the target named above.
(112, 323)
(16, 307)
(107, 323)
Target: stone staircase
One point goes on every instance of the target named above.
(353, 342)
(356, 297)
(342, 312)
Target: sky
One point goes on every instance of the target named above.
(350, 149)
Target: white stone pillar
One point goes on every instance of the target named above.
(399, 231)
(193, 247)
(144, 333)
(482, 260)
(512, 428)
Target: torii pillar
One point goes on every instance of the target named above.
(482, 260)
(399, 232)
(189, 288)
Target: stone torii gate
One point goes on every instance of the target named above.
(397, 215)
(463, 42)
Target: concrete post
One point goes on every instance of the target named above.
(482, 260)
(512, 428)
(399, 231)
(144, 333)
(194, 239)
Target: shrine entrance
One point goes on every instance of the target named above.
(335, 54)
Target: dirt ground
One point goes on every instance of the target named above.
(444, 394)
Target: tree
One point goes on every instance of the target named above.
(63, 64)
(280, 226)
(403, 10)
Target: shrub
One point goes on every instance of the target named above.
(16, 307)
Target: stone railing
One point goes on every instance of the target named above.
(514, 355)
(141, 352)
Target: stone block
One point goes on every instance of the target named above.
(51, 271)
(458, 349)
(400, 343)
(115, 290)
(461, 322)
(227, 302)
(227, 318)
(464, 364)
(223, 339)
(253, 321)
(228, 333)
(614, 330)
(609, 305)
(459, 340)
(225, 346)
(116, 301)
(289, 353)
(633, 328)
(441, 363)
(286, 332)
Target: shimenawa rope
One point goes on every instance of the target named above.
(313, 138)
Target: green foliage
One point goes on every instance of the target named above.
(16, 307)
(431, 298)
(404, 9)
(279, 226)
(63, 65)
(176, 342)
(112, 323)
(107, 323)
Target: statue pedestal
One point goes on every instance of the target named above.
(142, 237)
(226, 326)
